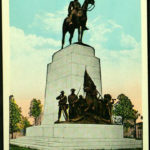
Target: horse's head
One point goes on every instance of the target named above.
(87, 2)
(91, 2)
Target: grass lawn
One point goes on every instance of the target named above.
(14, 147)
(133, 149)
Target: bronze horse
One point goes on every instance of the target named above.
(78, 22)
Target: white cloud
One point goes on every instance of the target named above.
(50, 21)
(128, 41)
(127, 46)
(114, 24)
(29, 56)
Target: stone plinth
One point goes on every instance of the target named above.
(78, 131)
(66, 71)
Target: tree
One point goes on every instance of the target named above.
(123, 108)
(15, 115)
(35, 109)
(24, 124)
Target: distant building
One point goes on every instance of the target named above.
(139, 130)
(130, 131)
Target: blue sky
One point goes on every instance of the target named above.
(125, 13)
(115, 33)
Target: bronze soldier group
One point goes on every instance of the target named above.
(78, 107)
(91, 109)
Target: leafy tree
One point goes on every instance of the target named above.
(35, 109)
(128, 125)
(15, 115)
(124, 108)
(24, 124)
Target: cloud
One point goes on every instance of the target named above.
(29, 56)
(114, 24)
(128, 41)
(109, 35)
(50, 22)
(126, 55)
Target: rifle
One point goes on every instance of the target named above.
(79, 90)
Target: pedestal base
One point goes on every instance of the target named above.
(76, 136)
(77, 131)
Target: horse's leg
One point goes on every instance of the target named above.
(63, 39)
(64, 31)
(79, 34)
(71, 36)
(82, 34)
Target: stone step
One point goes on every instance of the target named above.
(76, 148)
(56, 147)
(79, 140)
(76, 141)
(55, 143)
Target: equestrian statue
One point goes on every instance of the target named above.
(76, 19)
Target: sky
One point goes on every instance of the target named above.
(35, 34)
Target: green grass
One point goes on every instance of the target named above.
(133, 149)
(14, 147)
(125, 149)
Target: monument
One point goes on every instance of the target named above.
(75, 68)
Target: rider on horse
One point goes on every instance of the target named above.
(73, 9)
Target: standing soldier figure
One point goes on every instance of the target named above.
(72, 98)
(62, 106)
(82, 105)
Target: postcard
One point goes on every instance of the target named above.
(75, 74)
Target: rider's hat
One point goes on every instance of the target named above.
(72, 90)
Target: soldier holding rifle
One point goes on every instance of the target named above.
(62, 106)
